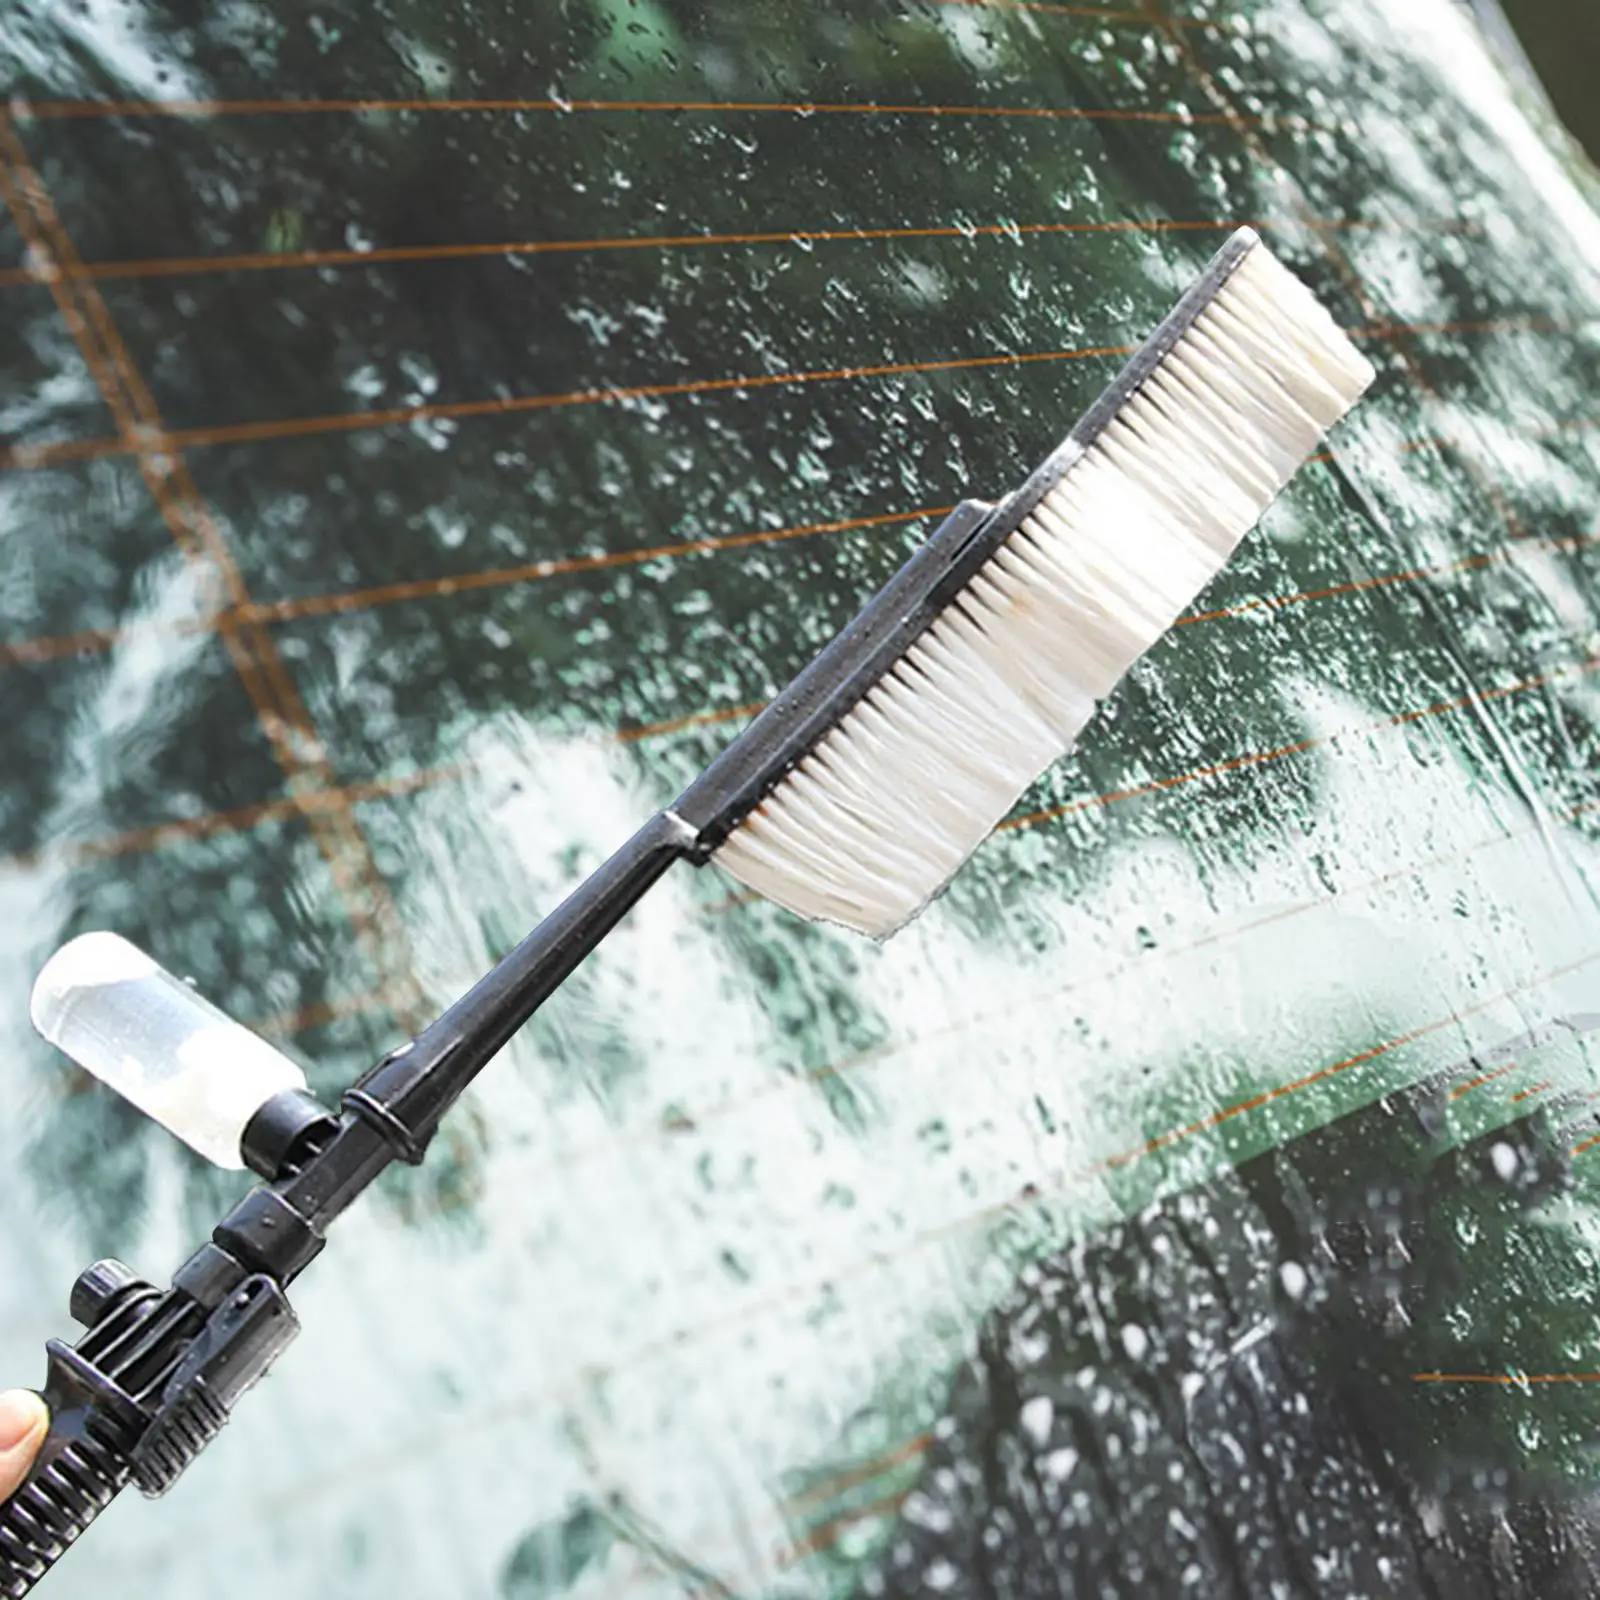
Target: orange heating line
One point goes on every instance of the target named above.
(830, 1532)
(27, 457)
(1461, 1091)
(436, 588)
(56, 110)
(302, 260)
(54, 646)
(1092, 13)
(1487, 558)
(1515, 1382)
(51, 647)
(283, 717)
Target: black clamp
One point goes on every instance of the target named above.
(232, 1352)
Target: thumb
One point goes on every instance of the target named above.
(24, 1421)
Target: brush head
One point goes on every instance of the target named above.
(858, 793)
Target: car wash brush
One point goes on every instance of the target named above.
(853, 797)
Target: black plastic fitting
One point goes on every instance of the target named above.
(99, 1288)
(287, 1130)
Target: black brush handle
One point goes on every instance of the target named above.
(80, 1469)
(188, 1360)
(407, 1094)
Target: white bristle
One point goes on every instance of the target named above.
(888, 805)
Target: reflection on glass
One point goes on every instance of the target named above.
(426, 437)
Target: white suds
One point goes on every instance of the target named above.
(877, 818)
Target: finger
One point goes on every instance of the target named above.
(24, 1422)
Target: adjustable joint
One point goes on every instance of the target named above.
(239, 1341)
(406, 1145)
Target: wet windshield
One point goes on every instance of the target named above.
(430, 431)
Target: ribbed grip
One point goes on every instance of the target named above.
(75, 1477)
(180, 1435)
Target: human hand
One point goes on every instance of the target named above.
(23, 1424)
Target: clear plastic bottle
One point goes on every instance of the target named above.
(160, 1045)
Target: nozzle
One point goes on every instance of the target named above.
(161, 1046)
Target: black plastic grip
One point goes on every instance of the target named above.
(81, 1467)
(147, 1388)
